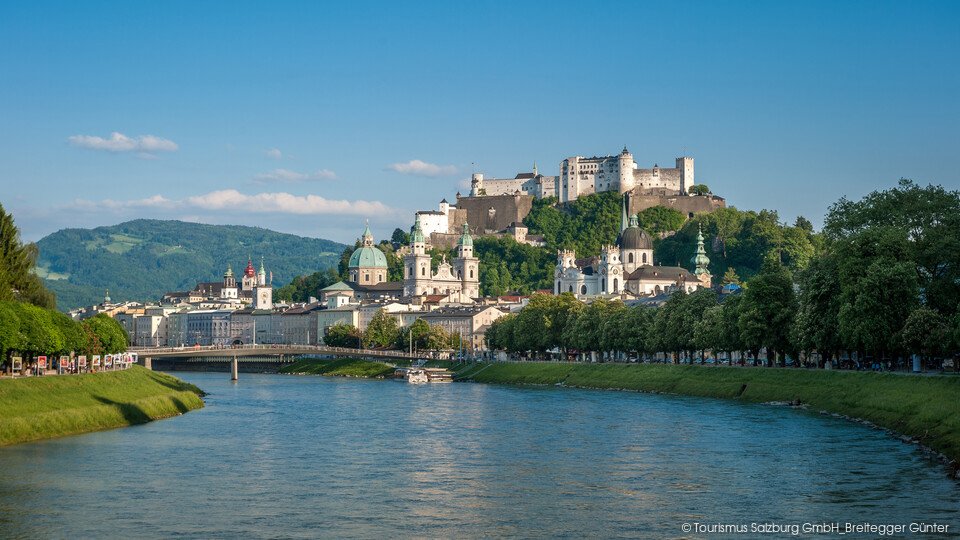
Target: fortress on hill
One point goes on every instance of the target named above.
(497, 206)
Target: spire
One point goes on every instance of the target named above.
(229, 272)
(106, 296)
(262, 271)
(465, 239)
(700, 260)
(623, 213)
(367, 235)
(535, 173)
(416, 233)
(634, 221)
(249, 271)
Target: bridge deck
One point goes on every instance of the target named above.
(266, 350)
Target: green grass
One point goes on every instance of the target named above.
(343, 367)
(926, 408)
(53, 406)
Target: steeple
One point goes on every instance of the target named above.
(700, 260)
(229, 272)
(634, 222)
(106, 296)
(623, 213)
(367, 235)
(535, 173)
(465, 238)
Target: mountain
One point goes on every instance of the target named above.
(143, 259)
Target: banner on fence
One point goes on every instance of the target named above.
(82, 361)
(64, 362)
(17, 363)
(108, 360)
(96, 360)
(42, 362)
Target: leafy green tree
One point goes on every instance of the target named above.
(819, 302)
(583, 225)
(700, 189)
(41, 335)
(927, 217)
(17, 261)
(660, 219)
(768, 310)
(926, 332)
(110, 335)
(400, 237)
(876, 308)
(11, 337)
(383, 330)
(301, 288)
(343, 335)
(730, 277)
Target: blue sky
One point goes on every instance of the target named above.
(294, 116)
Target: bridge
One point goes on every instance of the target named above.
(239, 351)
(251, 358)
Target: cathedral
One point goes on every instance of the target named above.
(627, 268)
(460, 279)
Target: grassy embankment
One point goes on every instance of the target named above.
(352, 367)
(53, 406)
(925, 408)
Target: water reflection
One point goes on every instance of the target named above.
(308, 456)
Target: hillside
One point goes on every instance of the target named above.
(142, 259)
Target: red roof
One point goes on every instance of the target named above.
(249, 271)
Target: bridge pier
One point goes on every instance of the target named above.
(148, 363)
(234, 369)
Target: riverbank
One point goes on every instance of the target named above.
(923, 408)
(53, 406)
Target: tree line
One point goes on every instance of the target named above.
(384, 331)
(882, 281)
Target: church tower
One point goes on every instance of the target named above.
(262, 291)
(249, 279)
(467, 266)
(701, 262)
(229, 289)
(417, 273)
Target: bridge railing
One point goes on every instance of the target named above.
(276, 349)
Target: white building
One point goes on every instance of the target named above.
(585, 176)
(531, 183)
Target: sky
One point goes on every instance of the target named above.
(313, 117)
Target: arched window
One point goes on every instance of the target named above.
(603, 285)
(423, 270)
(616, 286)
(630, 258)
(471, 273)
(583, 289)
(558, 286)
(571, 288)
(644, 258)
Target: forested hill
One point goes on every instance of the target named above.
(142, 259)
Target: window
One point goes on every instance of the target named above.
(616, 286)
(583, 289)
(423, 270)
(644, 258)
(630, 258)
(471, 273)
(571, 288)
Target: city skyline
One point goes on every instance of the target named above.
(312, 119)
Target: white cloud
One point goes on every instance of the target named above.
(143, 145)
(231, 200)
(286, 175)
(274, 153)
(417, 167)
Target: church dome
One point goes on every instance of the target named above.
(635, 238)
(368, 257)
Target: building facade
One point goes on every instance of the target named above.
(584, 176)
(462, 278)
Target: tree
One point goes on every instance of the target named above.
(876, 307)
(660, 219)
(819, 302)
(41, 335)
(400, 237)
(343, 335)
(17, 261)
(700, 189)
(11, 337)
(383, 330)
(768, 310)
(302, 288)
(926, 332)
(730, 277)
(110, 335)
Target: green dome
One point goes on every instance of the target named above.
(367, 257)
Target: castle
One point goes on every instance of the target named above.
(584, 176)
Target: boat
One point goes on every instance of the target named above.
(420, 375)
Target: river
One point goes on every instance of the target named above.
(304, 457)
